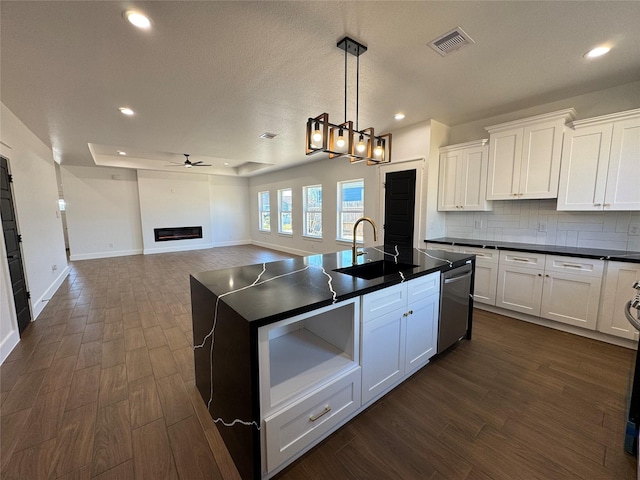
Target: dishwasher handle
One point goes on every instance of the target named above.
(458, 278)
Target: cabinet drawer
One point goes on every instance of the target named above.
(422, 287)
(383, 301)
(483, 255)
(295, 427)
(578, 266)
(522, 259)
(442, 246)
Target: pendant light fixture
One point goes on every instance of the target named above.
(342, 140)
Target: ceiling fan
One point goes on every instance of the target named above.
(188, 163)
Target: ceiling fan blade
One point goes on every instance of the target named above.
(200, 164)
(175, 165)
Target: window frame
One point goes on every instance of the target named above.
(262, 211)
(281, 211)
(306, 211)
(340, 212)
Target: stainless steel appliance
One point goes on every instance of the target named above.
(455, 305)
(632, 311)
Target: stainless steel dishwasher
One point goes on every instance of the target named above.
(455, 291)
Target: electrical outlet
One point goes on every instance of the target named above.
(634, 229)
(478, 224)
(542, 226)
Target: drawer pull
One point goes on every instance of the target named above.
(326, 410)
(572, 265)
(597, 204)
(520, 259)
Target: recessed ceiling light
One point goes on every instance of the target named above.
(137, 19)
(597, 52)
(120, 152)
(126, 110)
(226, 164)
(399, 116)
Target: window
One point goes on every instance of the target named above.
(312, 211)
(284, 210)
(264, 212)
(350, 208)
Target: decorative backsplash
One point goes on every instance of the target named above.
(538, 221)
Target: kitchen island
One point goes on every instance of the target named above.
(286, 352)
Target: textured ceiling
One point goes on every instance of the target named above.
(210, 77)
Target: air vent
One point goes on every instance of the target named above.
(451, 41)
(268, 136)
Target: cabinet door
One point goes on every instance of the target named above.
(486, 283)
(585, 159)
(519, 289)
(571, 299)
(505, 154)
(449, 178)
(623, 189)
(382, 353)
(473, 179)
(421, 332)
(540, 166)
(616, 293)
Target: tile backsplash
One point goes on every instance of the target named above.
(538, 221)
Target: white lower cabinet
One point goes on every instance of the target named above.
(486, 277)
(399, 333)
(520, 282)
(295, 427)
(617, 291)
(571, 290)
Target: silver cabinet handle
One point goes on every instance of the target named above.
(520, 259)
(597, 204)
(606, 205)
(326, 410)
(572, 265)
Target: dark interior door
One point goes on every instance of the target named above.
(12, 243)
(399, 208)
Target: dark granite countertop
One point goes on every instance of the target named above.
(603, 254)
(265, 293)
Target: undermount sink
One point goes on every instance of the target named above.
(377, 269)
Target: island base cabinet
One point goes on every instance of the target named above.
(295, 428)
(382, 354)
(421, 336)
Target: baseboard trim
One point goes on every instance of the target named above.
(91, 256)
(40, 303)
(8, 344)
(592, 334)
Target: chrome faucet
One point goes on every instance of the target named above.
(354, 250)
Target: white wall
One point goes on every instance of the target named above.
(36, 203)
(103, 213)
(229, 200)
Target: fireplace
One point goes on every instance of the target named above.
(177, 233)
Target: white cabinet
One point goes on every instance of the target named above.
(486, 276)
(520, 277)
(524, 157)
(571, 290)
(617, 291)
(399, 333)
(463, 177)
(601, 164)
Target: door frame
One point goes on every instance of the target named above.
(419, 165)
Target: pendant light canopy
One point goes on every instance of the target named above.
(343, 140)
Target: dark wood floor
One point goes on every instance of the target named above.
(101, 386)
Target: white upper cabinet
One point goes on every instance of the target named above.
(601, 164)
(463, 177)
(524, 157)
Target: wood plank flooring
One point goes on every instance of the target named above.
(101, 387)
